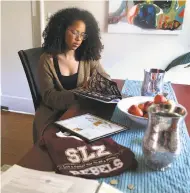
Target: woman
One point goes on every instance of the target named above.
(72, 49)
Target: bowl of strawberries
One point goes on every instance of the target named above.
(136, 108)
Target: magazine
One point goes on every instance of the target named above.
(101, 89)
(90, 127)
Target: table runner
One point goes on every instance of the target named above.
(175, 179)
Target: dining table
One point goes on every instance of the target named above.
(144, 180)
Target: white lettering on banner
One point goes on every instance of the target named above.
(102, 169)
(84, 154)
(117, 163)
(75, 172)
(83, 172)
(97, 170)
(101, 150)
(81, 155)
(72, 155)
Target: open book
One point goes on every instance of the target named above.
(101, 89)
(23, 180)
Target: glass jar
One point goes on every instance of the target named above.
(161, 142)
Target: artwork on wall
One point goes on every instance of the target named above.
(147, 17)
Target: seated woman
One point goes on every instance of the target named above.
(72, 49)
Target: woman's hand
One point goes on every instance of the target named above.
(86, 83)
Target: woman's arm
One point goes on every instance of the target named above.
(51, 97)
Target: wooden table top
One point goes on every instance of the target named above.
(38, 158)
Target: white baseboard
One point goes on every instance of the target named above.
(18, 104)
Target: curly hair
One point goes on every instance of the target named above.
(54, 34)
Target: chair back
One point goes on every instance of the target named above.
(180, 60)
(30, 61)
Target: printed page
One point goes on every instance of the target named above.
(23, 180)
(106, 188)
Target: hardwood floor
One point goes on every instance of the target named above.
(16, 136)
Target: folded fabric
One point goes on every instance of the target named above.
(73, 156)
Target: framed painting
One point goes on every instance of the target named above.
(147, 17)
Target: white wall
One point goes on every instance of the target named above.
(124, 56)
(16, 34)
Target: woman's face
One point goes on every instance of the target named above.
(75, 34)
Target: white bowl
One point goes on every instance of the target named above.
(124, 105)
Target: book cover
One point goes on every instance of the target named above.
(100, 88)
